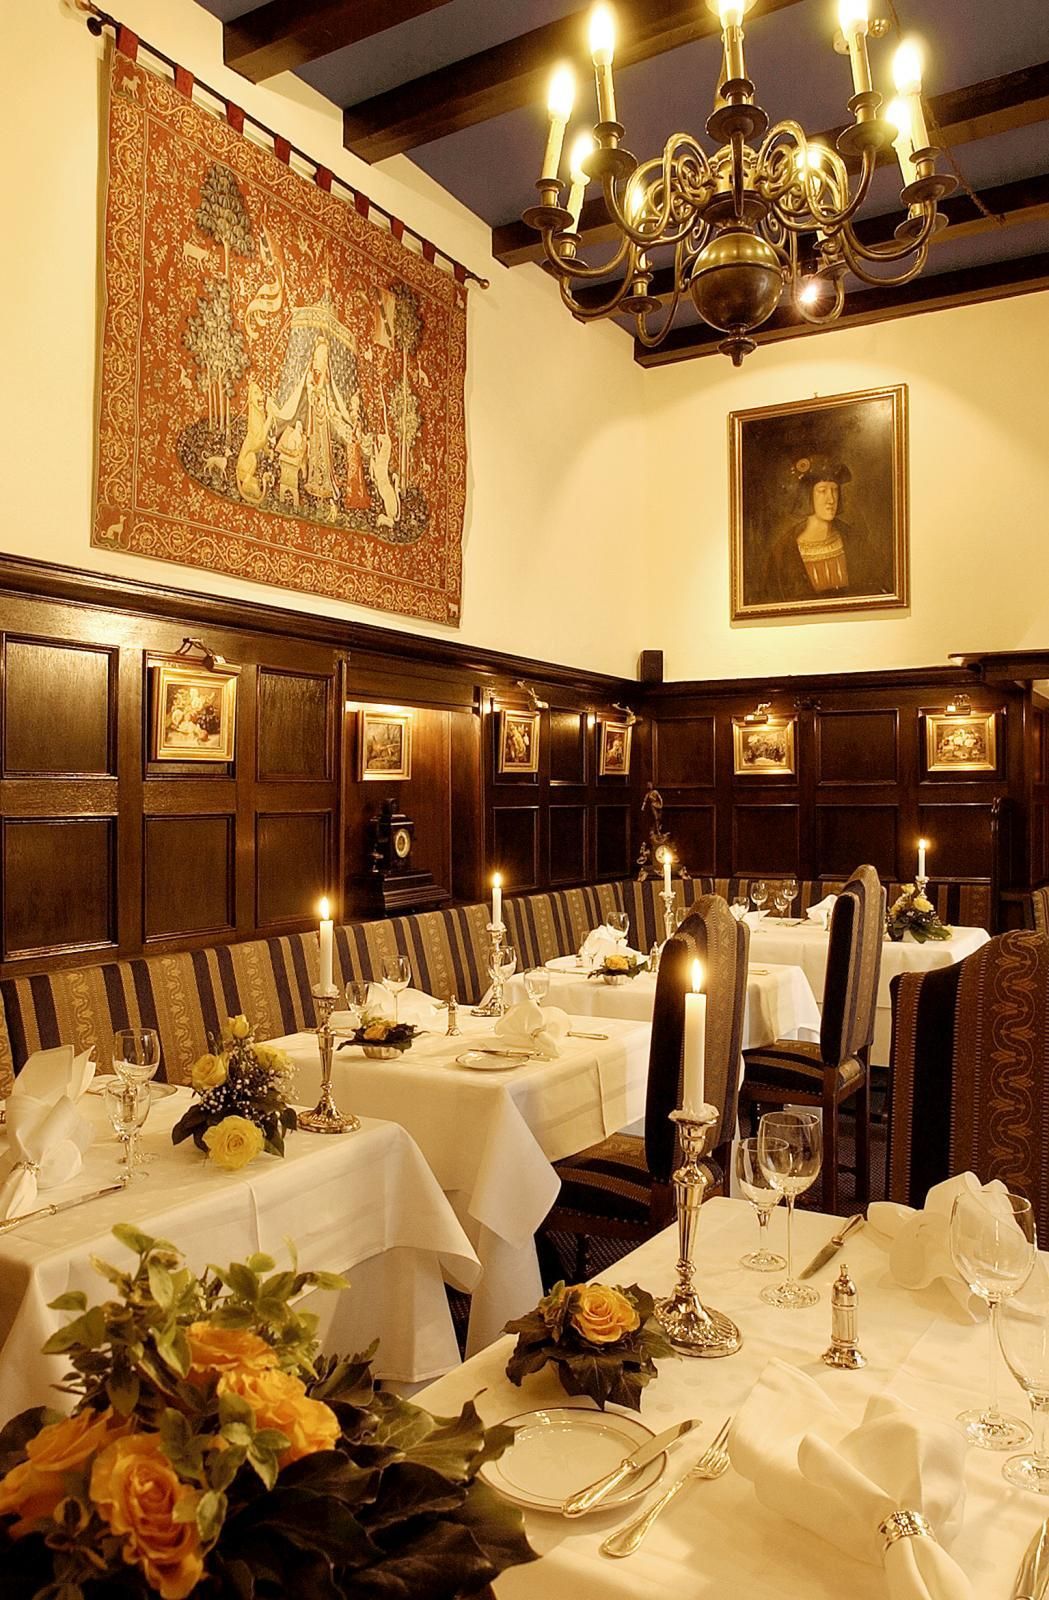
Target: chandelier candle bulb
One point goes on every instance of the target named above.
(854, 17)
(907, 77)
(581, 149)
(898, 112)
(327, 935)
(695, 1045)
(602, 50)
(559, 102)
(497, 899)
(731, 14)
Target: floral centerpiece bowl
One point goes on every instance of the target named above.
(381, 1039)
(913, 913)
(616, 969)
(243, 1090)
(602, 1342)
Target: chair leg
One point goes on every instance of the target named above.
(863, 1142)
(830, 1156)
(550, 1268)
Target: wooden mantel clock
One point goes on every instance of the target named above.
(398, 885)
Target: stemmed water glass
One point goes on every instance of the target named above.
(1023, 1333)
(396, 976)
(127, 1105)
(136, 1054)
(763, 1197)
(357, 992)
(790, 1151)
(780, 901)
(759, 893)
(790, 889)
(992, 1243)
(537, 984)
(619, 921)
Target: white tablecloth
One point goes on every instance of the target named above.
(490, 1137)
(365, 1204)
(780, 1001)
(717, 1541)
(806, 947)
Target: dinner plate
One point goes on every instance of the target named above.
(480, 1062)
(566, 964)
(561, 1450)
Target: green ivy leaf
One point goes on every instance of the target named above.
(72, 1300)
(161, 1286)
(133, 1238)
(86, 1332)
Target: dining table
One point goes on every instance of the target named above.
(805, 944)
(717, 1538)
(366, 1206)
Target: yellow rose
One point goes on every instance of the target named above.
(34, 1488)
(239, 1027)
(208, 1072)
(618, 963)
(136, 1491)
(602, 1315)
(234, 1142)
(280, 1401)
(377, 1030)
(273, 1060)
(921, 903)
(219, 1350)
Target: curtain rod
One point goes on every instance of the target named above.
(97, 20)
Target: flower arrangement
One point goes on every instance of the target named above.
(602, 1342)
(211, 1453)
(618, 966)
(242, 1108)
(912, 913)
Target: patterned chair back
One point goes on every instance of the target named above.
(712, 935)
(850, 989)
(970, 1072)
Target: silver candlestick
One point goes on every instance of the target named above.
(494, 1005)
(920, 884)
(693, 1328)
(669, 899)
(326, 1116)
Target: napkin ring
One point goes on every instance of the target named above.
(32, 1167)
(904, 1525)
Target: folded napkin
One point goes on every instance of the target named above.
(820, 913)
(842, 1483)
(413, 1005)
(919, 1249)
(752, 918)
(601, 942)
(528, 1026)
(46, 1134)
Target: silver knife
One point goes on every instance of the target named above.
(573, 1033)
(830, 1249)
(1033, 1576)
(586, 1499)
(60, 1205)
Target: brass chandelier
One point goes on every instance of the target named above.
(768, 209)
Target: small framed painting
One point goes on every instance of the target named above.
(764, 749)
(613, 756)
(384, 744)
(518, 747)
(194, 712)
(961, 743)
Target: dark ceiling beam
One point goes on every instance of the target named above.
(514, 74)
(997, 105)
(288, 33)
(997, 280)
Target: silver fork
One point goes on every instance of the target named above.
(711, 1464)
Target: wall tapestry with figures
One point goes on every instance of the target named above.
(281, 389)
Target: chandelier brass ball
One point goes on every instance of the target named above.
(737, 281)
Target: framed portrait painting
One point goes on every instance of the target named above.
(961, 743)
(613, 750)
(384, 743)
(764, 749)
(819, 505)
(194, 712)
(518, 742)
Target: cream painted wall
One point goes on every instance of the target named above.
(979, 500)
(550, 469)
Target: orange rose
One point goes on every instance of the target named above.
(136, 1491)
(280, 1401)
(602, 1315)
(219, 1350)
(34, 1488)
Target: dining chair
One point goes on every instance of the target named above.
(831, 1071)
(622, 1188)
(1038, 909)
(969, 1089)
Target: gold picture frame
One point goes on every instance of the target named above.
(384, 745)
(764, 749)
(194, 711)
(517, 742)
(961, 743)
(819, 505)
(613, 748)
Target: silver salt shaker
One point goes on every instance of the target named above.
(453, 1028)
(844, 1348)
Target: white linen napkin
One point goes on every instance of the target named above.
(528, 1026)
(919, 1249)
(413, 1005)
(752, 918)
(820, 913)
(601, 942)
(841, 1483)
(46, 1134)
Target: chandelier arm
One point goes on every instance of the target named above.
(883, 281)
(567, 266)
(834, 221)
(605, 309)
(647, 239)
(894, 250)
(650, 340)
(818, 319)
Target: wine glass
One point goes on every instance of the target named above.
(780, 900)
(1023, 1333)
(357, 992)
(790, 889)
(537, 984)
(762, 1196)
(128, 1104)
(136, 1054)
(992, 1245)
(791, 1171)
(619, 921)
(396, 976)
(739, 907)
(759, 893)
(502, 964)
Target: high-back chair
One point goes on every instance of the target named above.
(970, 1072)
(836, 1069)
(622, 1187)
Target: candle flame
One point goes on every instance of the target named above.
(907, 68)
(923, 844)
(602, 33)
(325, 911)
(561, 94)
(853, 15)
(898, 112)
(582, 150)
(497, 880)
(697, 977)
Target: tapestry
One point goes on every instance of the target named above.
(281, 385)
